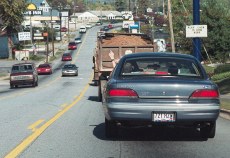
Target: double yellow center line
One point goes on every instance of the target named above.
(37, 132)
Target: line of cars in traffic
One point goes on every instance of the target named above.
(27, 73)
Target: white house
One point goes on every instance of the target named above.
(84, 17)
(107, 15)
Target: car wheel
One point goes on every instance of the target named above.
(111, 129)
(209, 131)
(95, 83)
(34, 84)
(99, 93)
(11, 86)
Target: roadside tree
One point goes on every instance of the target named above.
(11, 13)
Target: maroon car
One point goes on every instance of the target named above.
(23, 74)
(44, 69)
(72, 46)
(63, 29)
(66, 57)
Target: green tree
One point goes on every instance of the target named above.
(11, 13)
(142, 6)
(218, 21)
(120, 5)
(214, 14)
(182, 16)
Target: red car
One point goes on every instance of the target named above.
(63, 29)
(72, 46)
(44, 69)
(110, 26)
(66, 57)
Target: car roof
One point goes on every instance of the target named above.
(18, 64)
(66, 54)
(158, 54)
(45, 64)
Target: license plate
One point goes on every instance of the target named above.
(163, 117)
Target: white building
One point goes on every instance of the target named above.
(84, 17)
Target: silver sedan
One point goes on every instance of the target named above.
(70, 70)
(150, 89)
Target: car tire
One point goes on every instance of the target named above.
(209, 131)
(11, 86)
(111, 130)
(99, 96)
(34, 84)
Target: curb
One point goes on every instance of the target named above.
(225, 113)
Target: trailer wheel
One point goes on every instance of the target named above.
(99, 99)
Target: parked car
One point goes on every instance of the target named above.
(23, 74)
(150, 89)
(77, 40)
(72, 46)
(44, 69)
(64, 29)
(70, 70)
(66, 57)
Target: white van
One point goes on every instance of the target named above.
(82, 29)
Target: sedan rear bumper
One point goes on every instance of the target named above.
(144, 112)
(22, 82)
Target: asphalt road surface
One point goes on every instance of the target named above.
(62, 118)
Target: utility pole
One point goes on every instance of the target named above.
(171, 26)
(196, 21)
(52, 32)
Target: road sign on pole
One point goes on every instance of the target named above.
(196, 31)
(24, 36)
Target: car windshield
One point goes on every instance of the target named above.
(72, 43)
(70, 67)
(161, 67)
(67, 54)
(24, 68)
(43, 66)
(77, 38)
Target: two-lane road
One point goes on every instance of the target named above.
(62, 118)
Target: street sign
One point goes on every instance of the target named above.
(24, 36)
(126, 23)
(38, 36)
(196, 31)
(33, 12)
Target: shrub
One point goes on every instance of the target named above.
(36, 58)
(221, 76)
(222, 68)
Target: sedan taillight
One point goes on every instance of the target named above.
(205, 94)
(122, 93)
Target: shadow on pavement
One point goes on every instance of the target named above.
(151, 134)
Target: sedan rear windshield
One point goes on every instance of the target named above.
(161, 66)
(24, 68)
